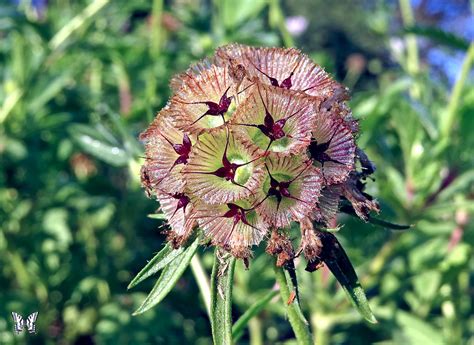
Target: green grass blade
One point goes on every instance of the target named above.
(168, 279)
(76, 23)
(160, 216)
(439, 36)
(255, 309)
(221, 297)
(159, 262)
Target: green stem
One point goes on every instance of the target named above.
(322, 328)
(277, 20)
(295, 315)
(202, 281)
(76, 23)
(255, 331)
(413, 62)
(156, 30)
(221, 297)
(218, 28)
(447, 121)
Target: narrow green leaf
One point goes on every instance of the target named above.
(168, 278)
(348, 209)
(93, 143)
(459, 185)
(389, 225)
(159, 261)
(338, 262)
(221, 297)
(439, 36)
(48, 92)
(76, 23)
(160, 216)
(254, 310)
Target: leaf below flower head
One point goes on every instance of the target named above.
(168, 278)
(159, 261)
(348, 209)
(334, 256)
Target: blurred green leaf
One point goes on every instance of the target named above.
(460, 184)
(168, 278)
(159, 216)
(55, 223)
(94, 143)
(439, 36)
(417, 331)
(48, 91)
(235, 13)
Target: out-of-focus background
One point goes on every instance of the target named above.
(80, 79)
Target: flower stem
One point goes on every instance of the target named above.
(221, 297)
(295, 315)
(202, 281)
(447, 121)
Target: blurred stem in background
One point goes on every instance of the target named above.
(277, 20)
(202, 281)
(412, 58)
(156, 29)
(447, 120)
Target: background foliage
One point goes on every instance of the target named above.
(80, 80)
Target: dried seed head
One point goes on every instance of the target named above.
(206, 100)
(329, 204)
(253, 139)
(353, 190)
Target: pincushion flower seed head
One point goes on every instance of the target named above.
(252, 140)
